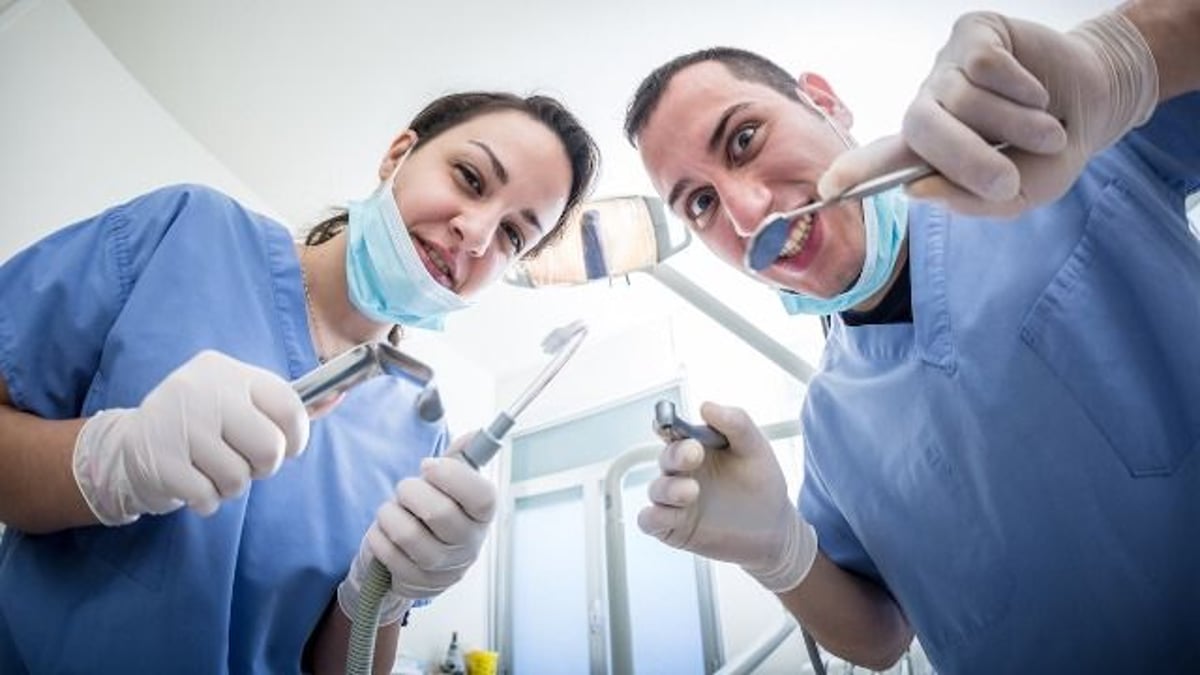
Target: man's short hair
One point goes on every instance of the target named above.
(744, 65)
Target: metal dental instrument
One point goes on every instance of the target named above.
(670, 427)
(768, 240)
(561, 343)
(349, 369)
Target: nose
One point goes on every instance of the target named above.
(475, 229)
(746, 203)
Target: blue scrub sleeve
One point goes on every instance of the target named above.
(60, 297)
(1170, 142)
(835, 538)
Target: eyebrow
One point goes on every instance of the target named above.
(502, 173)
(714, 142)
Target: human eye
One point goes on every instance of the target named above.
(470, 178)
(740, 140)
(516, 238)
(698, 206)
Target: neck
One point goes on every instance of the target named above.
(873, 301)
(336, 324)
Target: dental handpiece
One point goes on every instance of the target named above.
(671, 427)
(561, 343)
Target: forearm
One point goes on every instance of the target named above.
(38, 493)
(849, 616)
(1171, 28)
(330, 644)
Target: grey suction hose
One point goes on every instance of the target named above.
(361, 653)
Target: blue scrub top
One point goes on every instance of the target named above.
(1019, 466)
(95, 316)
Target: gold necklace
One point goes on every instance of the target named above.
(312, 312)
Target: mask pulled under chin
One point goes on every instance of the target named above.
(387, 280)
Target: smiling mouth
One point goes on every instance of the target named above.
(444, 274)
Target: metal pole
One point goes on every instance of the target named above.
(725, 315)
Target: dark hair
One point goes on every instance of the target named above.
(744, 65)
(449, 111)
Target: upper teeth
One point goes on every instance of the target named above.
(437, 260)
(797, 236)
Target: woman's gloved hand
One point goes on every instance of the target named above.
(427, 536)
(199, 437)
(731, 504)
(1056, 98)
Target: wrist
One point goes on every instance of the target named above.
(99, 471)
(1130, 69)
(797, 551)
(392, 607)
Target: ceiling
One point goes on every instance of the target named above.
(300, 98)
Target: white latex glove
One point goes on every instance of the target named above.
(1057, 98)
(427, 536)
(199, 437)
(731, 504)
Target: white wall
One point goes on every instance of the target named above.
(78, 132)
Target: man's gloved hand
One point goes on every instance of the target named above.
(199, 437)
(1056, 98)
(731, 504)
(427, 536)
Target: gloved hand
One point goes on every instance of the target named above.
(1057, 98)
(427, 536)
(198, 437)
(731, 504)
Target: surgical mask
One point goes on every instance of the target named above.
(387, 280)
(885, 216)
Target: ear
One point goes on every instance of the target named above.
(818, 91)
(402, 143)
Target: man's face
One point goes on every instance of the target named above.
(725, 153)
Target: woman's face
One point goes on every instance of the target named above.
(479, 195)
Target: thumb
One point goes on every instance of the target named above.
(863, 163)
(276, 398)
(735, 423)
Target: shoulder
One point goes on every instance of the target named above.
(185, 211)
(173, 201)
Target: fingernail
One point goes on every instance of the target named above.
(1053, 140)
(1002, 187)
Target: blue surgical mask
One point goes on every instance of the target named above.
(387, 280)
(885, 216)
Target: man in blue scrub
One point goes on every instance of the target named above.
(1003, 441)
(170, 509)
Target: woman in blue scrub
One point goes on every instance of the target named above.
(145, 356)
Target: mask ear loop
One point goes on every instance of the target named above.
(808, 102)
(396, 334)
(390, 182)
